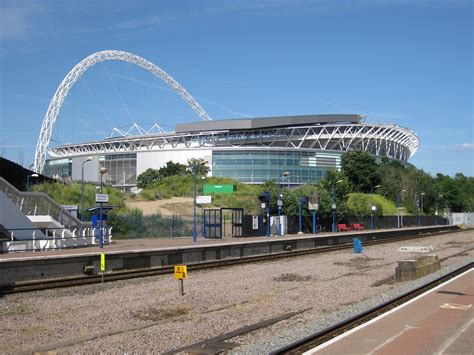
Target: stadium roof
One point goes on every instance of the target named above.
(265, 122)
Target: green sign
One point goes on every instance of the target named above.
(219, 189)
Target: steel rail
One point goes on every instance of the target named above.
(29, 286)
(337, 329)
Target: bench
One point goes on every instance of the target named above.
(357, 227)
(343, 228)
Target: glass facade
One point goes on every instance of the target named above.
(252, 166)
(121, 168)
(58, 168)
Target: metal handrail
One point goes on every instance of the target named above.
(38, 203)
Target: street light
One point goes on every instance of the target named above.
(101, 236)
(34, 175)
(193, 168)
(399, 215)
(333, 207)
(280, 201)
(82, 187)
(420, 209)
(436, 203)
(202, 206)
(372, 207)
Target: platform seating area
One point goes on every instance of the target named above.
(357, 227)
(342, 227)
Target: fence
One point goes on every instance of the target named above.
(135, 225)
(52, 238)
(324, 224)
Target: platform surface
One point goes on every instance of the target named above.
(150, 244)
(440, 321)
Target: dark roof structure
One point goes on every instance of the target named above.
(265, 122)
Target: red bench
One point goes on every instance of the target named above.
(343, 228)
(357, 227)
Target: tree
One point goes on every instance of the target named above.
(172, 169)
(341, 192)
(148, 177)
(201, 168)
(361, 170)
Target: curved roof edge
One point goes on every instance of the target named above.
(265, 122)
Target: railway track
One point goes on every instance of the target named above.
(29, 286)
(331, 332)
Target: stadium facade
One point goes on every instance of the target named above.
(251, 150)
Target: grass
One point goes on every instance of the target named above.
(70, 194)
(16, 310)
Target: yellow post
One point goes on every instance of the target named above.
(180, 273)
(102, 265)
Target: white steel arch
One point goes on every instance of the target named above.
(74, 75)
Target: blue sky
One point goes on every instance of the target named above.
(408, 62)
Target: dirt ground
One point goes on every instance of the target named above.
(175, 205)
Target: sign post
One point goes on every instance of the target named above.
(313, 205)
(180, 273)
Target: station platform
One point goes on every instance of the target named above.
(440, 321)
(132, 254)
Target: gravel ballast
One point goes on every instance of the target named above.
(148, 315)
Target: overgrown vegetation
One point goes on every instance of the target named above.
(362, 182)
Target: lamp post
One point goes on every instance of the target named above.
(82, 187)
(436, 211)
(280, 202)
(28, 180)
(399, 214)
(202, 206)
(101, 236)
(193, 168)
(301, 201)
(420, 208)
(333, 207)
(372, 224)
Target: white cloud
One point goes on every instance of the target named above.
(467, 146)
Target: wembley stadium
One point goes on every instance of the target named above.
(251, 150)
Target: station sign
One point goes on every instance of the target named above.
(180, 272)
(313, 203)
(254, 222)
(101, 198)
(203, 199)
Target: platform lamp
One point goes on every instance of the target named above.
(34, 175)
(372, 207)
(193, 168)
(399, 215)
(420, 210)
(82, 186)
(101, 236)
(333, 206)
(436, 205)
(202, 206)
(280, 201)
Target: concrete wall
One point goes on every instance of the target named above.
(12, 218)
(91, 169)
(462, 218)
